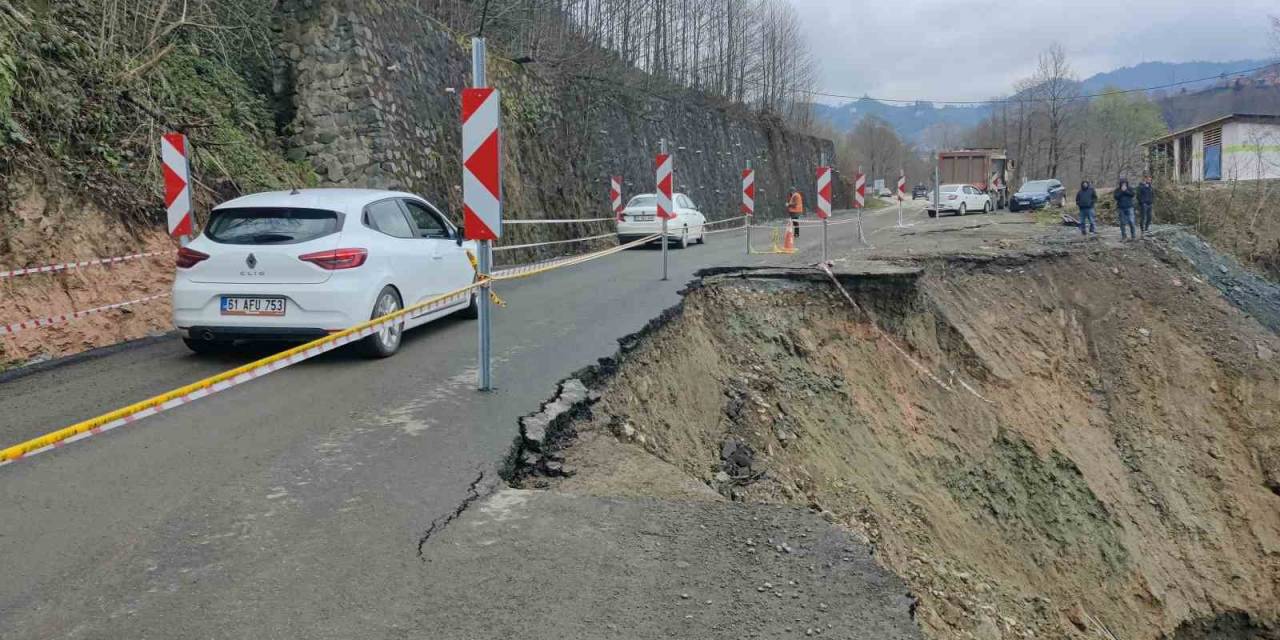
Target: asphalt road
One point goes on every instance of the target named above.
(293, 506)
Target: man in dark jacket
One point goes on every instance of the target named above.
(1087, 199)
(1146, 202)
(1124, 207)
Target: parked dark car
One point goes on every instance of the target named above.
(919, 191)
(1038, 194)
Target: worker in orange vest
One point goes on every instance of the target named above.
(795, 209)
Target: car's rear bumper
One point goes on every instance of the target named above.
(336, 304)
(253, 334)
(1015, 204)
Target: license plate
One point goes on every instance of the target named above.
(642, 218)
(252, 306)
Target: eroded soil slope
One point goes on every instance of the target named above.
(1115, 469)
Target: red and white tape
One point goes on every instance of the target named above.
(271, 364)
(8, 329)
(64, 266)
(558, 221)
(554, 242)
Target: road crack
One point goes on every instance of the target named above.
(438, 525)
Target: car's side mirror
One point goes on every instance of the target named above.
(457, 236)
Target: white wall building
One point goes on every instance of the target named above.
(1239, 146)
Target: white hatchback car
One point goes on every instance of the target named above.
(960, 198)
(640, 219)
(297, 265)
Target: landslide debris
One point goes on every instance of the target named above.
(1120, 482)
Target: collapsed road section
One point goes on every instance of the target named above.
(1115, 471)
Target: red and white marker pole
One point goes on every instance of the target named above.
(482, 188)
(615, 196)
(902, 192)
(860, 199)
(176, 167)
(664, 173)
(749, 200)
(824, 201)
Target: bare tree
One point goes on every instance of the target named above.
(748, 51)
(1056, 88)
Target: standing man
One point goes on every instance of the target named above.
(795, 209)
(1146, 201)
(1087, 199)
(1124, 207)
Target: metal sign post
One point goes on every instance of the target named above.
(860, 199)
(936, 186)
(482, 190)
(902, 189)
(824, 200)
(665, 196)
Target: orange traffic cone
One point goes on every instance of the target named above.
(788, 240)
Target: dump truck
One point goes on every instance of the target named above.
(986, 169)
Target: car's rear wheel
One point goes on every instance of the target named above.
(987, 207)
(963, 210)
(702, 237)
(206, 347)
(473, 310)
(386, 341)
(684, 238)
(933, 214)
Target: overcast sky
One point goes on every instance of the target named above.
(912, 48)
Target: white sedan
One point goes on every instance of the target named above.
(640, 219)
(298, 265)
(961, 199)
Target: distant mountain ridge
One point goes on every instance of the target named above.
(1151, 74)
(916, 121)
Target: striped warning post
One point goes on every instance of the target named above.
(615, 195)
(902, 185)
(481, 164)
(824, 193)
(860, 190)
(176, 167)
(664, 172)
(748, 192)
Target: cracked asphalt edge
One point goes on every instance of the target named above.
(474, 492)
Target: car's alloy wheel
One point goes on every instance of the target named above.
(987, 207)
(386, 340)
(963, 209)
(684, 238)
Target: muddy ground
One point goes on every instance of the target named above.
(1043, 437)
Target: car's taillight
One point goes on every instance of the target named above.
(188, 258)
(952, 197)
(622, 217)
(337, 258)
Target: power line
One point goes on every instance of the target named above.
(1170, 85)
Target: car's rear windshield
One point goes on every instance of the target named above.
(271, 225)
(1036, 186)
(646, 200)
